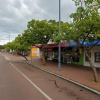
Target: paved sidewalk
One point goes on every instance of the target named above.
(80, 74)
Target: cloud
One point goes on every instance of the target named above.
(14, 14)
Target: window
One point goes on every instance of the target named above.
(97, 57)
(86, 58)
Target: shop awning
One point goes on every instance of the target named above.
(70, 44)
(39, 46)
(86, 43)
(56, 45)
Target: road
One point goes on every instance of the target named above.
(20, 81)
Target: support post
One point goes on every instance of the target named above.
(59, 57)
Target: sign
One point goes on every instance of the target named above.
(86, 43)
(34, 51)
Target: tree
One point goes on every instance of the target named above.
(40, 32)
(21, 46)
(9, 46)
(18, 45)
(85, 26)
(1, 47)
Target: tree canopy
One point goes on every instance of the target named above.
(86, 22)
(40, 32)
(85, 26)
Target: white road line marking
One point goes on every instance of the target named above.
(32, 83)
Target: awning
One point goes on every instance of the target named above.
(39, 46)
(86, 43)
(56, 45)
(70, 44)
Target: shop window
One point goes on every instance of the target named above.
(86, 58)
(97, 57)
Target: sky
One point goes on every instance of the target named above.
(15, 14)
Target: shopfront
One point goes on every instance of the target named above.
(95, 57)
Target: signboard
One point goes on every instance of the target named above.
(86, 43)
(34, 51)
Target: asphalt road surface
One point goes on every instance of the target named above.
(20, 81)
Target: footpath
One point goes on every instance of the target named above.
(79, 74)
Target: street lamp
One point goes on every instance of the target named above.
(59, 57)
(9, 37)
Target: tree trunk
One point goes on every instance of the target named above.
(25, 57)
(92, 66)
(43, 58)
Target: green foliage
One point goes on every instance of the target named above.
(87, 2)
(18, 45)
(40, 32)
(21, 44)
(9, 46)
(1, 47)
(86, 22)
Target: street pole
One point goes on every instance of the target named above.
(9, 37)
(59, 57)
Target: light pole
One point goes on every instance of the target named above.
(59, 57)
(9, 37)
